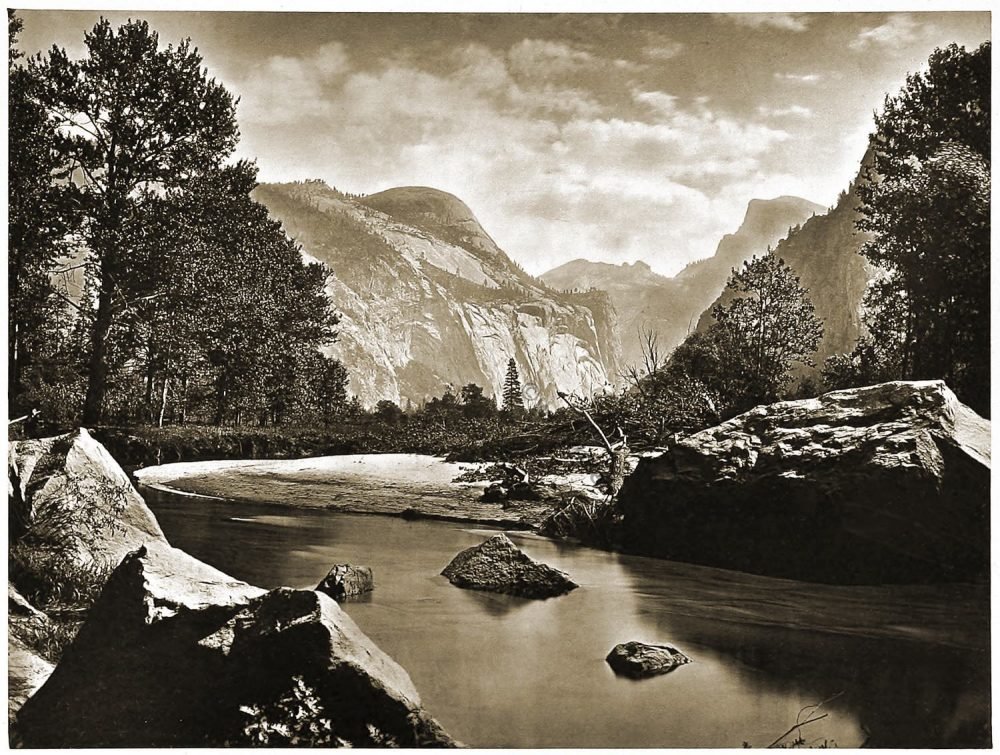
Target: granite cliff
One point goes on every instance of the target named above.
(428, 299)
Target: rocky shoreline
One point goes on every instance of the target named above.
(175, 652)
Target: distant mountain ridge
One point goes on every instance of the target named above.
(671, 307)
(429, 301)
(825, 254)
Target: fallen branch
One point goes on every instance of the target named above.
(797, 726)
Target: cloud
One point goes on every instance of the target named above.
(780, 112)
(783, 21)
(542, 58)
(900, 29)
(800, 78)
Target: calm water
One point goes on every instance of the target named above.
(909, 666)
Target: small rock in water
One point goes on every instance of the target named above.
(639, 660)
(345, 581)
(497, 565)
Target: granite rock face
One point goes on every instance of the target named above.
(428, 299)
(886, 483)
(639, 660)
(497, 565)
(347, 581)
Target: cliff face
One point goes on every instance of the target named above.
(670, 307)
(428, 299)
(824, 253)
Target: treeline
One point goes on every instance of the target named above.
(192, 304)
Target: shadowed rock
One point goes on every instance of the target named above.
(639, 660)
(345, 581)
(497, 565)
(174, 649)
(886, 483)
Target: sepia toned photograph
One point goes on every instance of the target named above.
(499, 379)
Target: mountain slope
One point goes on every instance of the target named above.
(671, 306)
(824, 253)
(429, 300)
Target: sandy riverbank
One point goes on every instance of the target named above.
(360, 483)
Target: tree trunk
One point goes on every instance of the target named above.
(97, 373)
(163, 400)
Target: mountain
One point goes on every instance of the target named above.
(824, 253)
(429, 300)
(671, 306)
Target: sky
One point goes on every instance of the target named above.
(608, 137)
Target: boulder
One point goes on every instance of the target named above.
(639, 660)
(26, 672)
(882, 484)
(174, 652)
(346, 581)
(497, 565)
(71, 487)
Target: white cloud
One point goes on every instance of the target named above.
(780, 112)
(800, 78)
(541, 58)
(898, 30)
(784, 21)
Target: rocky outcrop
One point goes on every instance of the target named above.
(669, 306)
(887, 483)
(497, 565)
(346, 581)
(428, 299)
(70, 486)
(639, 660)
(174, 648)
(175, 652)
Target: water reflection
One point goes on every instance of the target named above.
(503, 671)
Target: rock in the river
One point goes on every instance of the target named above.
(886, 483)
(174, 648)
(639, 660)
(71, 480)
(345, 581)
(497, 565)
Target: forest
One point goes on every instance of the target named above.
(149, 291)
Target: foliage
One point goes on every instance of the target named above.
(48, 578)
(295, 719)
(926, 203)
(48, 637)
(131, 119)
(768, 326)
(41, 215)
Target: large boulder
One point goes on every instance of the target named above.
(69, 487)
(175, 652)
(497, 565)
(347, 581)
(27, 671)
(639, 660)
(886, 483)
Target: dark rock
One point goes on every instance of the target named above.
(497, 565)
(494, 493)
(174, 648)
(345, 581)
(886, 483)
(639, 660)
(410, 514)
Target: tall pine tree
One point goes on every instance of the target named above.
(513, 400)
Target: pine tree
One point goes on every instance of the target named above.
(512, 399)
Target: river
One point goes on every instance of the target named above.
(904, 666)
